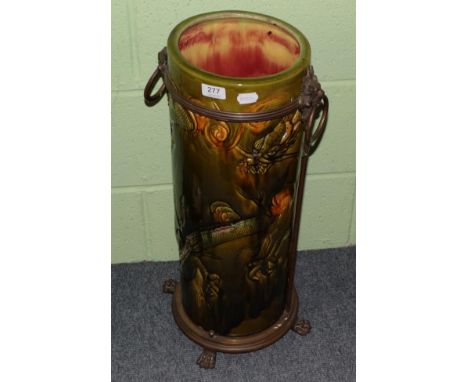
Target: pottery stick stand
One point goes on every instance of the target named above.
(243, 101)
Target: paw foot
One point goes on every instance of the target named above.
(207, 359)
(302, 327)
(169, 286)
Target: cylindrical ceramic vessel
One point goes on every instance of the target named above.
(235, 183)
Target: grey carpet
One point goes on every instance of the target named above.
(148, 346)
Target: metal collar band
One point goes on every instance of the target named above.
(227, 116)
(311, 96)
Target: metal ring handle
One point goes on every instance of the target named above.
(151, 100)
(312, 140)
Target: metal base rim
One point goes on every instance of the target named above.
(225, 344)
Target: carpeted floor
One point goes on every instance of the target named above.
(148, 346)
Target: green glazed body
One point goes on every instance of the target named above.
(234, 190)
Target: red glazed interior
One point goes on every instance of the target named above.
(239, 47)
